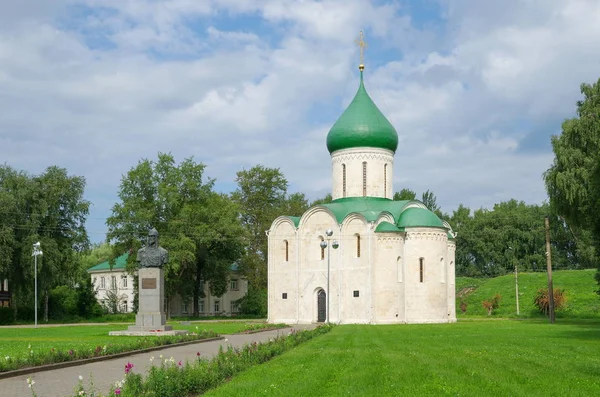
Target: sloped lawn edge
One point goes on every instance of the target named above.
(76, 362)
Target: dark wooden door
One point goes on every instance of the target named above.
(321, 306)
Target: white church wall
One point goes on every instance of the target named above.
(426, 296)
(312, 275)
(380, 164)
(283, 272)
(388, 297)
(355, 270)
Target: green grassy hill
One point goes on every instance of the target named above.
(580, 287)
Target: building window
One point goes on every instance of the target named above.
(385, 180)
(233, 285)
(124, 281)
(356, 293)
(234, 307)
(444, 270)
(102, 283)
(357, 246)
(201, 306)
(421, 270)
(284, 295)
(124, 306)
(322, 251)
(113, 282)
(217, 306)
(287, 251)
(184, 307)
(364, 178)
(343, 180)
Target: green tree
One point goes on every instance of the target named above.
(261, 195)
(573, 180)
(199, 228)
(295, 204)
(48, 208)
(405, 194)
(430, 201)
(324, 200)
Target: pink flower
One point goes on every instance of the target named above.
(198, 354)
(70, 352)
(117, 391)
(128, 367)
(180, 363)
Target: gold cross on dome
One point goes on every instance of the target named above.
(362, 44)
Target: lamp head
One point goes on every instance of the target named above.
(37, 245)
(323, 244)
(335, 244)
(329, 232)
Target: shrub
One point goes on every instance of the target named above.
(463, 306)
(254, 303)
(62, 303)
(492, 304)
(542, 300)
(6, 316)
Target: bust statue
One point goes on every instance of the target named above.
(152, 255)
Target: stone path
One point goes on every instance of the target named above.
(61, 382)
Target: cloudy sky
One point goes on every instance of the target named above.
(474, 88)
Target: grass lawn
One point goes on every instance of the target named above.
(15, 342)
(470, 358)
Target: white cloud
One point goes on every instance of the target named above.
(168, 76)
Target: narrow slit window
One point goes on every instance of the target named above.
(357, 246)
(421, 260)
(343, 180)
(287, 251)
(385, 180)
(364, 178)
(444, 269)
(322, 251)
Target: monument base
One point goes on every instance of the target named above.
(151, 318)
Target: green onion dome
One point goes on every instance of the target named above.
(362, 125)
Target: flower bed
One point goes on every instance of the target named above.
(34, 357)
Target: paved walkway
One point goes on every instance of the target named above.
(61, 382)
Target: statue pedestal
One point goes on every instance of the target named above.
(151, 292)
(151, 318)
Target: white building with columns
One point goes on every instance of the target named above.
(395, 259)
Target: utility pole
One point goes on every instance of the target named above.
(517, 288)
(549, 269)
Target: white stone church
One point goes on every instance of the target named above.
(394, 261)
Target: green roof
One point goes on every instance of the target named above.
(386, 227)
(362, 125)
(295, 219)
(120, 263)
(369, 207)
(415, 217)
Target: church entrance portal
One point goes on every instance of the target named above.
(321, 306)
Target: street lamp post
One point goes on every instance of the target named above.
(335, 245)
(37, 251)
